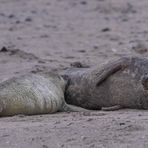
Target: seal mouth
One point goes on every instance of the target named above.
(144, 82)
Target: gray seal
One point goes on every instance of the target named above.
(33, 94)
(121, 83)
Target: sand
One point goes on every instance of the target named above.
(55, 33)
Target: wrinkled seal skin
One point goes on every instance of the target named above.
(123, 83)
(33, 94)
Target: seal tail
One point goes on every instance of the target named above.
(71, 108)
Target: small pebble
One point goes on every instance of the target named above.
(28, 19)
(83, 2)
(105, 29)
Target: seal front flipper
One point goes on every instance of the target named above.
(110, 68)
(112, 108)
(71, 108)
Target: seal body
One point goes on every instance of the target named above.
(33, 94)
(123, 82)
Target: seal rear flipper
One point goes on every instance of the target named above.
(112, 108)
(109, 69)
(71, 108)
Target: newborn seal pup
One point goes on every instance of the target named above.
(122, 83)
(33, 94)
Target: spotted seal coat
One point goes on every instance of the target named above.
(121, 83)
(33, 94)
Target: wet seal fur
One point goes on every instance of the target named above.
(122, 83)
(33, 94)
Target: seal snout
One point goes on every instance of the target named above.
(145, 82)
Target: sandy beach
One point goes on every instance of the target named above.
(38, 34)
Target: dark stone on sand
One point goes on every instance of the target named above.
(83, 2)
(105, 29)
(4, 49)
(28, 19)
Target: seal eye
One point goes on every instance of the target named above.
(145, 82)
(65, 77)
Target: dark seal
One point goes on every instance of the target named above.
(122, 83)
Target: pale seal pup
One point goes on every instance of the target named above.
(33, 94)
(122, 83)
